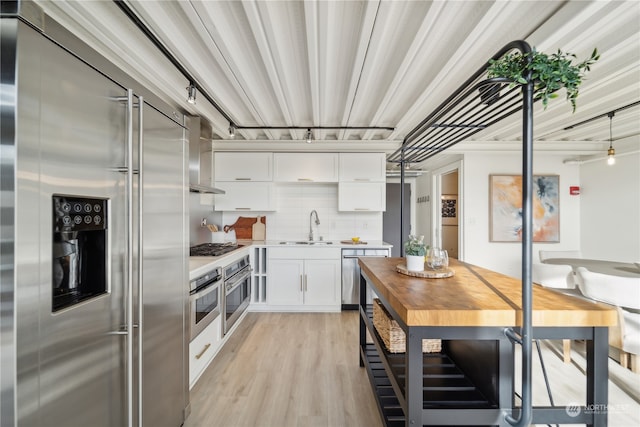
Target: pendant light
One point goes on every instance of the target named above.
(611, 160)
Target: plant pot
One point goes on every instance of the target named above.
(415, 262)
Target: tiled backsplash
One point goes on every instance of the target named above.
(294, 203)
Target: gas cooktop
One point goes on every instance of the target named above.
(213, 249)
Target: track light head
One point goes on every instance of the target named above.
(191, 93)
(232, 130)
(309, 136)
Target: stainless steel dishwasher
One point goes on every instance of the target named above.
(351, 275)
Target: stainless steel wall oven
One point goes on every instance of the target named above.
(204, 297)
(237, 284)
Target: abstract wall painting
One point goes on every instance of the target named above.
(505, 208)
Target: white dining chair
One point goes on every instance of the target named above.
(559, 254)
(624, 293)
(560, 277)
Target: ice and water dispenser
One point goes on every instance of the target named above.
(79, 250)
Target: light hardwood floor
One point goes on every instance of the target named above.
(301, 369)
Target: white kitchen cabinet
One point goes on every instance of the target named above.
(362, 196)
(362, 167)
(244, 166)
(285, 282)
(304, 279)
(202, 349)
(245, 196)
(305, 167)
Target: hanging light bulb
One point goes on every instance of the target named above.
(232, 130)
(611, 160)
(191, 93)
(309, 136)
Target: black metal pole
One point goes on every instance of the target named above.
(524, 418)
(402, 201)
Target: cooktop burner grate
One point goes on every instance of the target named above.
(212, 249)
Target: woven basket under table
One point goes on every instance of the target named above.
(393, 336)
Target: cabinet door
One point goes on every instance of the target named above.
(230, 166)
(322, 282)
(245, 196)
(285, 282)
(362, 167)
(305, 167)
(362, 196)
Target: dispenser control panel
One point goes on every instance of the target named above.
(72, 213)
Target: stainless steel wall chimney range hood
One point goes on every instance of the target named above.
(198, 130)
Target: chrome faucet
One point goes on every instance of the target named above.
(311, 224)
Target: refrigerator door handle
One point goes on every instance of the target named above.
(140, 251)
(129, 240)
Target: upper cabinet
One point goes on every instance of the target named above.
(362, 167)
(305, 167)
(243, 166)
(362, 196)
(245, 196)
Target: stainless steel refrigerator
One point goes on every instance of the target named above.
(94, 193)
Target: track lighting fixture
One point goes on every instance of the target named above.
(611, 160)
(309, 136)
(232, 130)
(191, 93)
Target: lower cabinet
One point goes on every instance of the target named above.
(300, 282)
(202, 349)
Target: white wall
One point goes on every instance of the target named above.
(506, 257)
(610, 209)
(294, 203)
(423, 209)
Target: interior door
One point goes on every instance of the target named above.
(391, 217)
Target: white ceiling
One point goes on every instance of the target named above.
(368, 63)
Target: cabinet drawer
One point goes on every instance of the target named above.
(203, 348)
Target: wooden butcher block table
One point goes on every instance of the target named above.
(471, 381)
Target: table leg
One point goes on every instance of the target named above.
(413, 385)
(598, 376)
(362, 305)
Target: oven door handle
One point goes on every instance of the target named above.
(236, 282)
(207, 290)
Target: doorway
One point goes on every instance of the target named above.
(447, 214)
(391, 216)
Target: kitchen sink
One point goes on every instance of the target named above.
(306, 242)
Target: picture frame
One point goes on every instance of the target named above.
(505, 208)
(449, 209)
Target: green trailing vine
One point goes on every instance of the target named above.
(549, 73)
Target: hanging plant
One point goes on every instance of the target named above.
(549, 73)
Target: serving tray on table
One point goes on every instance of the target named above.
(428, 273)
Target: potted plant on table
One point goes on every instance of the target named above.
(415, 250)
(549, 73)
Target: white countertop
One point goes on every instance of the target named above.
(375, 244)
(199, 265)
